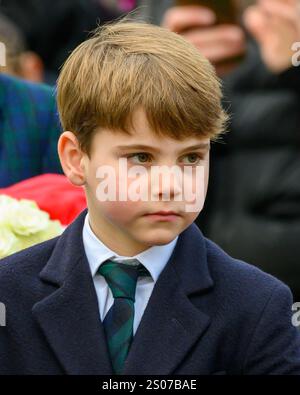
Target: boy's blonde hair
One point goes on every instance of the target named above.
(125, 65)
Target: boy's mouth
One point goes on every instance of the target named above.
(163, 216)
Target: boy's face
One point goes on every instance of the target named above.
(130, 226)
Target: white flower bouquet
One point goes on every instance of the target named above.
(23, 224)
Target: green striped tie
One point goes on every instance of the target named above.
(118, 323)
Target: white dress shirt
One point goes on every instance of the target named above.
(154, 259)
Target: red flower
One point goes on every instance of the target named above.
(53, 193)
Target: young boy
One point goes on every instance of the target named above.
(132, 286)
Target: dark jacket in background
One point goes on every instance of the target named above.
(53, 28)
(253, 203)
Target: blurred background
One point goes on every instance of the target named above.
(252, 208)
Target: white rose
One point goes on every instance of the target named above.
(27, 220)
(53, 229)
(7, 204)
(8, 242)
(28, 203)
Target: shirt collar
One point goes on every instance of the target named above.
(154, 258)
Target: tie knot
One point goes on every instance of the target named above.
(122, 277)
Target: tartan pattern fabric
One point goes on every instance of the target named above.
(118, 323)
(29, 130)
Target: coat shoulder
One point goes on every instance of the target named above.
(241, 279)
(21, 270)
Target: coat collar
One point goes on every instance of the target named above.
(70, 320)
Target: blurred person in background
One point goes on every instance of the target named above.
(29, 130)
(253, 204)
(53, 28)
(19, 61)
(29, 124)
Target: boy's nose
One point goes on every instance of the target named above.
(167, 188)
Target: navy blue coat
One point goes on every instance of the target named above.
(208, 314)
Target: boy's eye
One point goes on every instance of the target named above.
(140, 157)
(191, 159)
(144, 158)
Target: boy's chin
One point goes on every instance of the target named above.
(161, 237)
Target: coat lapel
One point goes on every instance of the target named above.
(171, 324)
(69, 317)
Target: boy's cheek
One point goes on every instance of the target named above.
(119, 212)
(191, 217)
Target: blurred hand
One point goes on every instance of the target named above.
(217, 43)
(275, 24)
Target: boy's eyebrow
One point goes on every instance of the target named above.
(203, 146)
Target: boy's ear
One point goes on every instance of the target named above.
(71, 158)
